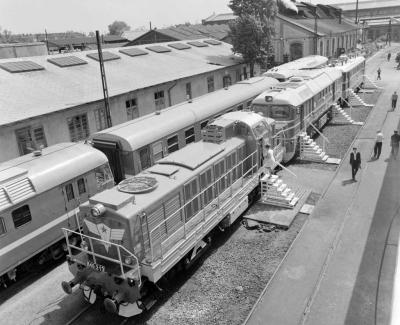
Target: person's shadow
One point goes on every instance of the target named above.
(348, 182)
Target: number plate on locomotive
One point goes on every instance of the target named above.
(95, 266)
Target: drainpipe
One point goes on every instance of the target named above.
(169, 92)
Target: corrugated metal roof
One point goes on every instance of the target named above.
(27, 95)
(367, 4)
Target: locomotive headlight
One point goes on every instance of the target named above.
(84, 245)
(97, 210)
(128, 260)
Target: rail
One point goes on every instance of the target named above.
(133, 268)
(205, 210)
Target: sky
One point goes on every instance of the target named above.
(34, 16)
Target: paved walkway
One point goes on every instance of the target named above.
(331, 272)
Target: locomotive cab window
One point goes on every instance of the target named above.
(203, 124)
(3, 229)
(21, 216)
(103, 175)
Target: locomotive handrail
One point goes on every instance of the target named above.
(215, 184)
(134, 267)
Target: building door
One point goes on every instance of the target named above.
(296, 51)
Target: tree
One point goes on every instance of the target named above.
(249, 40)
(252, 31)
(118, 27)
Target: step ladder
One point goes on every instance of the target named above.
(368, 83)
(355, 100)
(345, 115)
(275, 192)
(309, 150)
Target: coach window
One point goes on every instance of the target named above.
(240, 107)
(192, 205)
(210, 84)
(81, 186)
(172, 144)
(78, 127)
(3, 229)
(100, 118)
(203, 124)
(189, 136)
(132, 111)
(144, 155)
(30, 138)
(21, 216)
(69, 190)
(157, 151)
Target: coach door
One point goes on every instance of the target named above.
(112, 151)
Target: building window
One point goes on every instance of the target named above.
(144, 154)
(188, 90)
(237, 75)
(226, 81)
(333, 48)
(100, 118)
(81, 186)
(3, 229)
(30, 138)
(132, 110)
(172, 144)
(69, 191)
(21, 216)
(189, 136)
(159, 100)
(78, 127)
(210, 84)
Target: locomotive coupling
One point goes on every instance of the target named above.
(67, 286)
(112, 304)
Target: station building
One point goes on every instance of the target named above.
(46, 100)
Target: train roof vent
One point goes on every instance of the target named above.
(163, 170)
(296, 79)
(138, 184)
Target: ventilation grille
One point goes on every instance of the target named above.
(107, 56)
(158, 49)
(133, 52)
(15, 191)
(21, 66)
(67, 61)
(214, 133)
(179, 46)
(197, 44)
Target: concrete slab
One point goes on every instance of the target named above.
(307, 208)
(334, 161)
(281, 217)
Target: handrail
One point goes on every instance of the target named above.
(215, 185)
(94, 254)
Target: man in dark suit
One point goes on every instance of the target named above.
(355, 162)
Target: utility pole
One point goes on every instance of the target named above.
(356, 12)
(315, 31)
(390, 31)
(47, 41)
(104, 81)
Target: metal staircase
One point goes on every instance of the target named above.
(355, 100)
(309, 150)
(345, 115)
(275, 192)
(368, 83)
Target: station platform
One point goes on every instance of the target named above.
(340, 268)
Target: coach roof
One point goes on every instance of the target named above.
(25, 95)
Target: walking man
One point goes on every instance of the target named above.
(355, 162)
(394, 100)
(269, 159)
(394, 142)
(378, 144)
(379, 74)
(388, 57)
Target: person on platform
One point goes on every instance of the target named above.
(355, 162)
(378, 144)
(394, 100)
(394, 143)
(389, 55)
(379, 74)
(269, 159)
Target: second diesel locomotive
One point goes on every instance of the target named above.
(164, 217)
